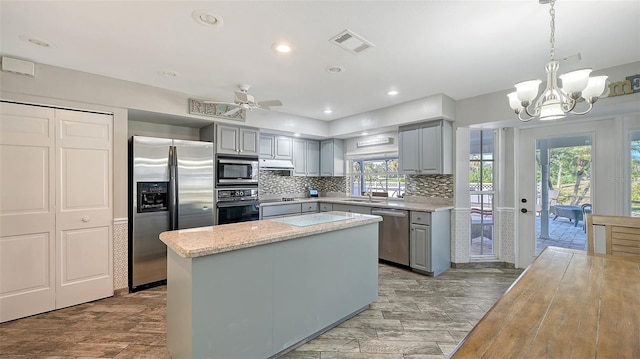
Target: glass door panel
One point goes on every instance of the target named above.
(563, 177)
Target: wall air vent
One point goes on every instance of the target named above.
(18, 66)
(351, 42)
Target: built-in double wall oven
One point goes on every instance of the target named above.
(236, 192)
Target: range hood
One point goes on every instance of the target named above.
(276, 165)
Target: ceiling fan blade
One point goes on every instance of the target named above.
(213, 102)
(232, 112)
(269, 103)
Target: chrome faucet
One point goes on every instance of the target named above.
(369, 194)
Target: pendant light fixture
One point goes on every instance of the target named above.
(555, 102)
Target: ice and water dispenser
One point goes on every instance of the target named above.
(153, 196)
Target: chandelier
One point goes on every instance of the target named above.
(555, 102)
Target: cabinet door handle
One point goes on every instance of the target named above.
(85, 219)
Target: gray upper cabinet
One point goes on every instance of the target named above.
(332, 157)
(306, 157)
(236, 140)
(276, 147)
(426, 148)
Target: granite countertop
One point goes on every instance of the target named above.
(377, 203)
(203, 241)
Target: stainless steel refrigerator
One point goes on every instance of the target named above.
(171, 187)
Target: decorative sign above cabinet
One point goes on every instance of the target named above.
(630, 85)
(226, 111)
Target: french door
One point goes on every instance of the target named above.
(555, 192)
(605, 168)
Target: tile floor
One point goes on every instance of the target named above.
(414, 317)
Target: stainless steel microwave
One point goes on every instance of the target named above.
(236, 170)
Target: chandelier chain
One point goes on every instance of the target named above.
(552, 40)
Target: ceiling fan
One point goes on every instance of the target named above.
(244, 101)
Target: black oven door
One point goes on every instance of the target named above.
(237, 211)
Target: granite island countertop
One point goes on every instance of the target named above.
(204, 241)
(377, 203)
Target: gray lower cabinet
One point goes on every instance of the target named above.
(430, 242)
(326, 207)
(310, 207)
(283, 210)
(350, 208)
(261, 301)
(420, 247)
(288, 210)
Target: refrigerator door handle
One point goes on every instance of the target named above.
(173, 189)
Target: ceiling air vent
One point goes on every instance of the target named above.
(351, 42)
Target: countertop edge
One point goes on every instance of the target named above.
(288, 232)
(409, 206)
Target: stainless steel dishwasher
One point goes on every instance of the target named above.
(393, 235)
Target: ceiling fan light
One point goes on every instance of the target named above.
(575, 81)
(551, 110)
(595, 87)
(514, 102)
(527, 90)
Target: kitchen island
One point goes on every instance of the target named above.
(258, 289)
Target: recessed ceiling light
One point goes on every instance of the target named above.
(364, 133)
(168, 73)
(296, 134)
(207, 18)
(335, 69)
(392, 93)
(282, 47)
(35, 41)
(328, 111)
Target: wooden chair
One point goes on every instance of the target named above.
(622, 234)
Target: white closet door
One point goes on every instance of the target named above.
(27, 210)
(84, 249)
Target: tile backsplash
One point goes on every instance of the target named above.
(275, 184)
(431, 186)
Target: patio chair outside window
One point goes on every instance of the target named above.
(553, 200)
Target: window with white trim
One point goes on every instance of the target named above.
(481, 190)
(378, 175)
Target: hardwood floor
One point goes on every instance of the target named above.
(414, 317)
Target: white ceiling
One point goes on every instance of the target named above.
(459, 48)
